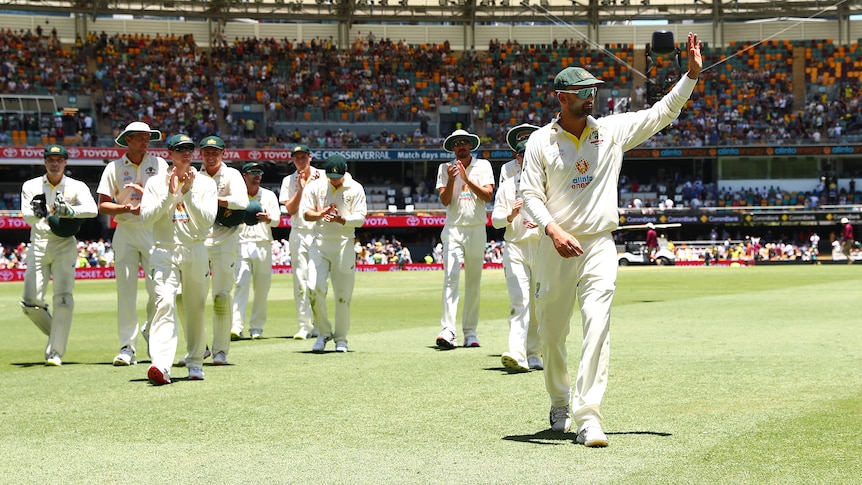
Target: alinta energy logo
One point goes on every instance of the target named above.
(582, 166)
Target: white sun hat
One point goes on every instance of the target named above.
(138, 127)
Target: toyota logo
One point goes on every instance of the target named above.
(413, 221)
(6, 275)
(254, 155)
(10, 152)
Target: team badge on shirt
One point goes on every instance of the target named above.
(150, 171)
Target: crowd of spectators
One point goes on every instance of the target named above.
(173, 84)
(665, 191)
(100, 254)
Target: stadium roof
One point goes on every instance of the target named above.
(590, 12)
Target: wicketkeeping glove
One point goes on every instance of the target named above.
(40, 208)
(62, 208)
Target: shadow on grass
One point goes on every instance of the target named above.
(41, 363)
(544, 437)
(441, 349)
(549, 437)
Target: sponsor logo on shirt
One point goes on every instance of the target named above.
(181, 215)
(582, 166)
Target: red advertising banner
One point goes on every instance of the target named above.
(370, 221)
(9, 222)
(17, 274)
(397, 221)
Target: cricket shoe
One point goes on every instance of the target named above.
(471, 341)
(513, 363)
(301, 335)
(593, 437)
(235, 335)
(446, 340)
(535, 362)
(319, 344)
(560, 418)
(125, 357)
(196, 373)
(341, 347)
(220, 358)
(256, 334)
(207, 354)
(54, 360)
(158, 377)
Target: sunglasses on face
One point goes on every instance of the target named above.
(461, 143)
(584, 93)
(255, 172)
(184, 149)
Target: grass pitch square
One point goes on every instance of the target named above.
(718, 375)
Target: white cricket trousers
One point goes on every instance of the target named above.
(173, 268)
(518, 260)
(223, 259)
(55, 258)
(254, 269)
(332, 259)
(462, 245)
(299, 242)
(132, 245)
(590, 279)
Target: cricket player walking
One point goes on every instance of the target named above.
(522, 243)
(181, 208)
(466, 184)
(569, 184)
(301, 234)
(120, 190)
(336, 204)
(223, 240)
(255, 253)
(54, 206)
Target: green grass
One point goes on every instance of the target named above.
(718, 375)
